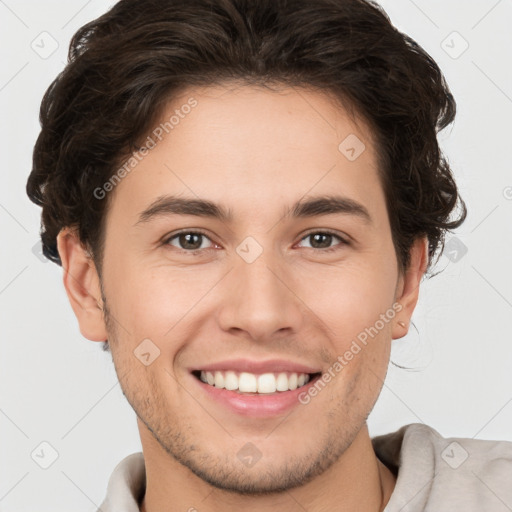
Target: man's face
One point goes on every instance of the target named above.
(263, 286)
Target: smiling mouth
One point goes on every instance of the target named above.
(246, 383)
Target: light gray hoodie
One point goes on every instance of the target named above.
(434, 474)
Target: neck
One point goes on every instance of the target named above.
(357, 481)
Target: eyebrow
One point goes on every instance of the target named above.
(312, 207)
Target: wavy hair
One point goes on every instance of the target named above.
(126, 65)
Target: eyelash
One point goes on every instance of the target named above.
(167, 241)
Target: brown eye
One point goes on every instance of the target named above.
(188, 241)
(323, 240)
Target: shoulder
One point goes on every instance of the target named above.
(126, 485)
(441, 471)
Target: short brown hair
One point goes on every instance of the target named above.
(124, 66)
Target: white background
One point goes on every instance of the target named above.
(60, 388)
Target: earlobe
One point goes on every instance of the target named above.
(409, 287)
(82, 285)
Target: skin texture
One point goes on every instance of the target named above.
(256, 152)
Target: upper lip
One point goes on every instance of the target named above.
(251, 366)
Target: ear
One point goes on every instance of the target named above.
(408, 287)
(82, 285)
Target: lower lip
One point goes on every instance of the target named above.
(257, 405)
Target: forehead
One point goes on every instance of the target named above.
(281, 118)
(253, 147)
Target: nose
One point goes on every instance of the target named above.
(259, 299)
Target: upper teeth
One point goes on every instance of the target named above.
(252, 383)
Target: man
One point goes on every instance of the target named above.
(244, 197)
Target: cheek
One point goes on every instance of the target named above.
(153, 306)
(352, 297)
(355, 304)
(158, 303)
